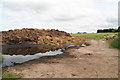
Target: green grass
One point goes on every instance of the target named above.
(10, 76)
(93, 35)
(7, 75)
(115, 43)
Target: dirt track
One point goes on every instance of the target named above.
(94, 61)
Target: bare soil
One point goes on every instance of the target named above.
(94, 61)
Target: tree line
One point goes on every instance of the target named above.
(108, 30)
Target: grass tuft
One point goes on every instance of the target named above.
(10, 76)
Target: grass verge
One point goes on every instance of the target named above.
(7, 75)
(114, 43)
(10, 76)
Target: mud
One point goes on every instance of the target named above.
(94, 61)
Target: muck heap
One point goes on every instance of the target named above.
(38, 36)
(36, 41)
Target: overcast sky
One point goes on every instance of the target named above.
(67, 15)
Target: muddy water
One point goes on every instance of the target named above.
(17, 54)
(14, 59)
(32, 49)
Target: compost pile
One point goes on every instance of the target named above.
(50, 37)
(38, 36)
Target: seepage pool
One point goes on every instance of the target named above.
(17, 54)
(9, 60)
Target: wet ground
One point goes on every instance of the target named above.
(31, 49)
(94, 61)
(17, 54)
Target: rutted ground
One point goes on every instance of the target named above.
(94, 61)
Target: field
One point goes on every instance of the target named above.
(113, 43)
(93, 35)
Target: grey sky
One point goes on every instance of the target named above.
(66, 15)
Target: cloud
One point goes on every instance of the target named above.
(67, 15)
(112, 20)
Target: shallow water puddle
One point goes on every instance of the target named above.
(34, 52)
(9, 60)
